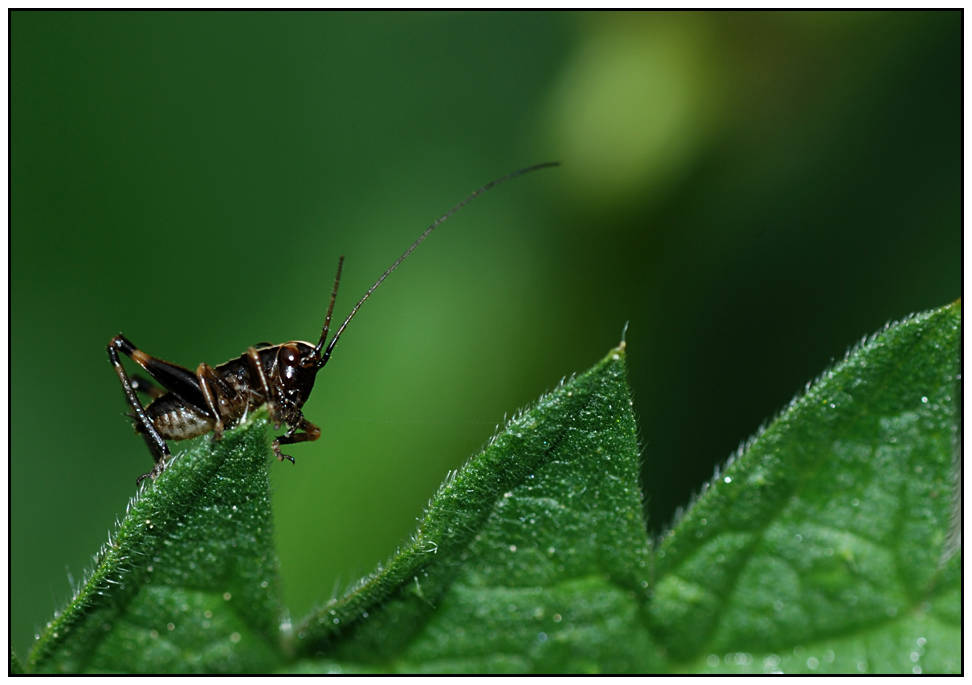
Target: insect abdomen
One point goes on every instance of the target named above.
(175, 421)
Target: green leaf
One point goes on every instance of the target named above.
(826, 545)
(189, 582)
(533, 557)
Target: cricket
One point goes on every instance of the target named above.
(186, 405)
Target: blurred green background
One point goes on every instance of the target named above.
(752, 192)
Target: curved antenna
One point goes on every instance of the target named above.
(459, 205)
(330, 307)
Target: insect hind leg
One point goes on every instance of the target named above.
(144, 385)
(143, 424)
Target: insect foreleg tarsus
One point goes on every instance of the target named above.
(310, 434)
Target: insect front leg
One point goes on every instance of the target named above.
(311, 433)
(156, 445)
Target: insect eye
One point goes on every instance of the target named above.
(288, 359)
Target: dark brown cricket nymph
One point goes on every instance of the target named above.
(186, 405)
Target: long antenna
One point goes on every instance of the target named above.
(330, 307)
(460, 205)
